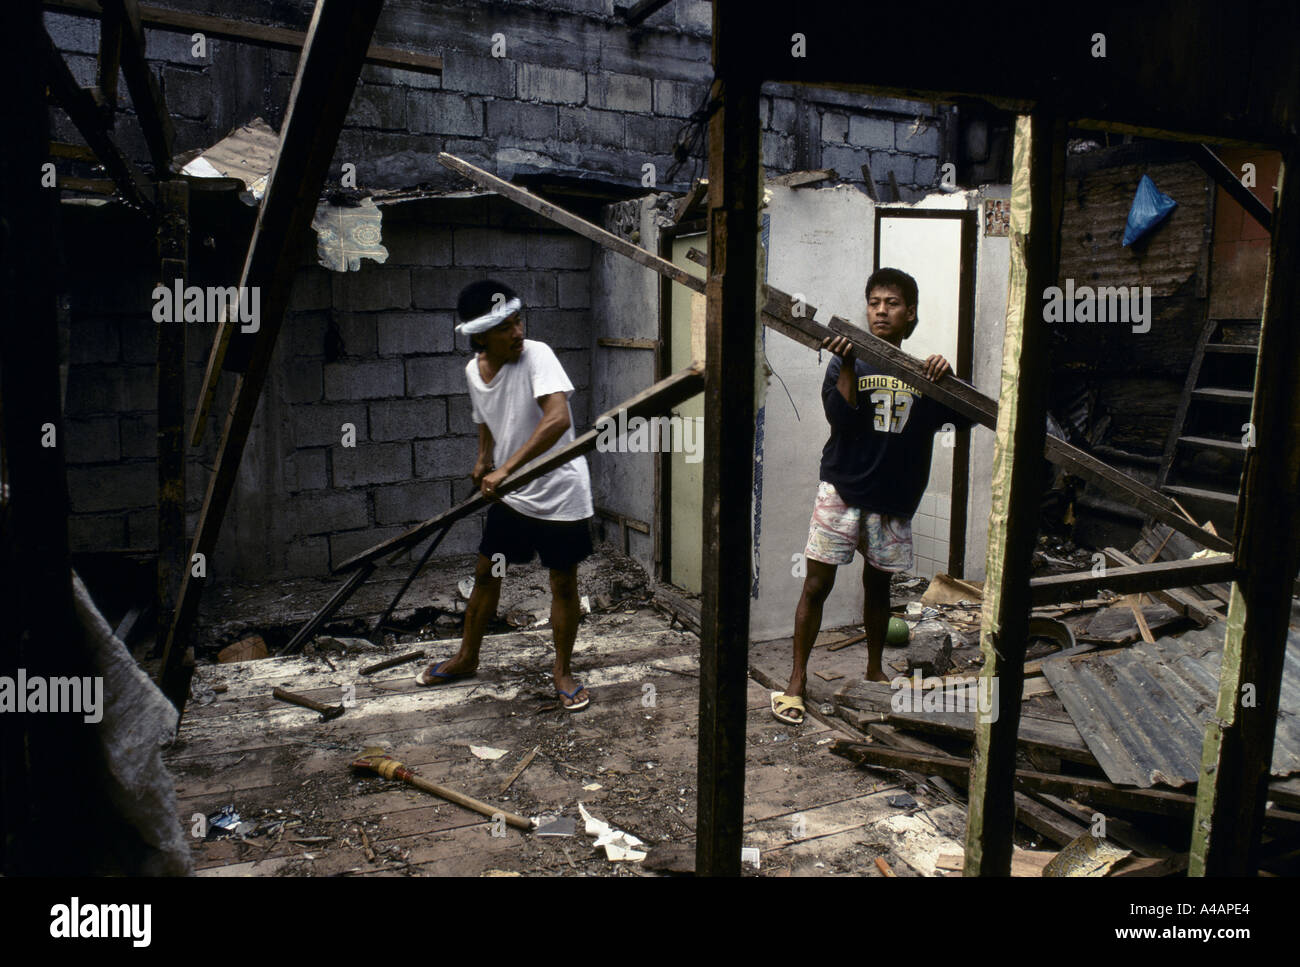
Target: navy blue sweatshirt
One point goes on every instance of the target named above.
(878, 456)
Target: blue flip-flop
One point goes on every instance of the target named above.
(444, 677)
(576, 706)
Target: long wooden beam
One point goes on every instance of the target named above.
(1237, 754)
(1185, 604)
(780, 312)
(85, 114)
(1077, 585)
(261, 35)
(1037, 196)
(322, 91)
(731, 337)
(1095, 792)
(146, 95)
(110, 60)
(657, 399)
(1225, 179)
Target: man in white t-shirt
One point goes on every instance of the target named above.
(520, 398)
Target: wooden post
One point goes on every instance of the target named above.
(146, 95)
(322, 90)
(730, 358)
(173, 248)
(50, 807)
(1036, 193)
(1238, 750)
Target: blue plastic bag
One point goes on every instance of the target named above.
(1149, 209)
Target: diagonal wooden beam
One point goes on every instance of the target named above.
(146, 95)
(110, 60)
(669, 392)
(780, 312)
(635, 14)
(1037, 193)
(322, 91)
(259, 35)
(85, 114)
(1225, 179)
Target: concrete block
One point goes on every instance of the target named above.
(325, 513)
(188, 93)
(494, 76)
(488, 247)
(560, 328)
(306, 332)
(94, 340)
(565, 250)
(138, 436)
(924, 140)
(364, 380)
(321, 425)
(440, 288)
(139, 338)
(451, 456)
(869, 132)
(695, 16)
(619, 92)
(677, 99)
(926, 173)
(69, 33)
(651, 135)
(460, 419)
(441, 113)
(357, 330)
(527, 122)
(374, 287)
(463, 538)
(123, 487)
(378, 106)
(85, 69)
(835, 127)
(175, 48)
(778, 151)
(462, 488)
(416, 244)
(142, 528)
(307, 470)
(783, 116)
(902, 165)
(583, 125)
(91, 441)
(412, 502)
(408, 419)
(393, 77)
(106, 533)
(573, 290)
(929, 649)
(307, 556)
(404, 333)
(436, 376)
(303, 381)
(577, 366)
(350, 543)
(117, 389)
(311, 290)
(847, 161)
(553, 85)
(371, 463)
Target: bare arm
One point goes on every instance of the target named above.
(555, 420)
(847, 384)
(483, 465)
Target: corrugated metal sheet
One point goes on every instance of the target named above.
(1092, 229)
(1143, 711)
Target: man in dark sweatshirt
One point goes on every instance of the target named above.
(874, 469)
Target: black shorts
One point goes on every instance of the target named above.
(560, 544)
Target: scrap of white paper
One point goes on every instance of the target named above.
(487, 752)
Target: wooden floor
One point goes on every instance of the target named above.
(630, 758)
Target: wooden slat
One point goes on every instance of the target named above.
(1238, 747)
(146, 95)
(1216, 394)
(1180, 601)
(322, 91)
(1037, 194)
(1231, 184)
(655, 400)
(1211, 443)
(261, 35)
(85, 114)
(1198, 493)
(1231, 349)
(1140, 577)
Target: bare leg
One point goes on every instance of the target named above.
(875, 618)
(564, 621)
(808, 621)
(481, 609)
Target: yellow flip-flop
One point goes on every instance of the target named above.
(783, 704)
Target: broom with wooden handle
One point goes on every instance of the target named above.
(379, 761)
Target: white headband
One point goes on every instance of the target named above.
(490, 321)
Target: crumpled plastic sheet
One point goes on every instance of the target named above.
(618, 845)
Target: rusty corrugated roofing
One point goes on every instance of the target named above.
(1143, 711)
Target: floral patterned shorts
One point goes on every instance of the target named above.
(837, 530)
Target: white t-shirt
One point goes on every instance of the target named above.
(508, 405)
